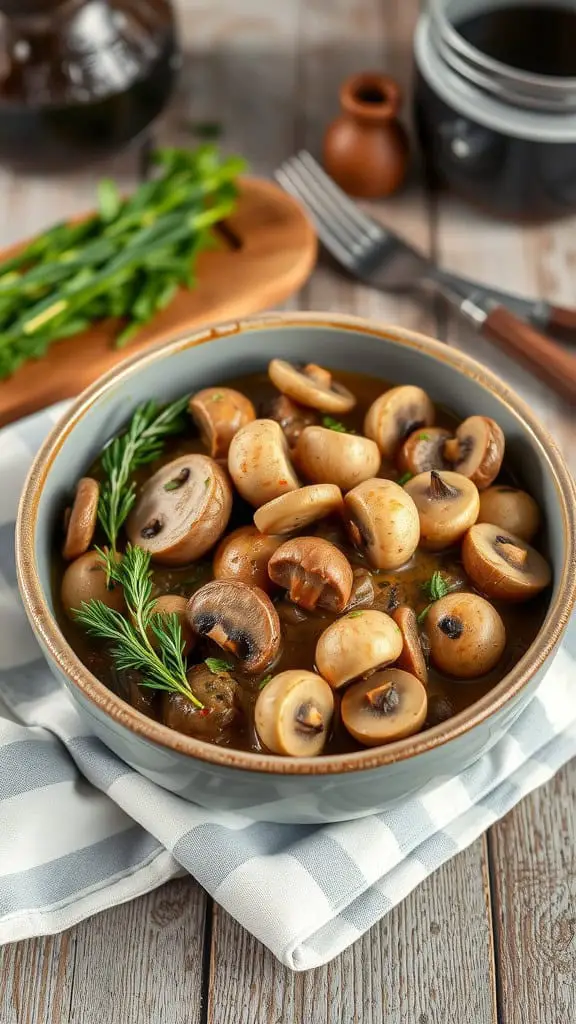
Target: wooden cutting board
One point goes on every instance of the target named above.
(267, 251)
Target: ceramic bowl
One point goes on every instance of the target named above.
(264, 786)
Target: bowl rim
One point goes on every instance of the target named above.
(123, 714)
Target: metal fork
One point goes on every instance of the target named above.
(376, 255)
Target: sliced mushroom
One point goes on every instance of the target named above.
(356, 645)
(182, 510)
(173, 604)
(466, 635)
(81, 519)
(314, 572)
(447, 504)
(363, 593)
(510, 509)
(294, 511)
(311, 386)
(259, 464)
(395, 415)
(423, 450)
(382, 521)
(412, 657)
(477, 450)
(240, 618)
(293, 713)
(333, 457)
(503, 565)
(293, 418)
(217, 692)
(85, 580)
(244, 555)
(219, 413)
(388, 706)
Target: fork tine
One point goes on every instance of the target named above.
(348, 233)
(345, 204)
(332, 241)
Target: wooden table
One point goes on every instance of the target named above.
(490, 938)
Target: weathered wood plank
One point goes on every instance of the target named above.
(36, 980)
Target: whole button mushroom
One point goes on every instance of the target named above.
(356, 645)
(466, 634)
(311, 386)
(477, 450)
(291, 417)
(85, 580)
(423, 450)
(244, 555)
(297, 509)
(412, 657)
(503, 565)
(217, 692)
(314, 572)
(382, 521)
(259, 463)
(510, 509)
(395, 415)
(334, 457)
(447, 504)
(240, 618)
(219, 413)
(388, 706)
(293, 713)
(173, 604)
(182, 510)
(81, 519)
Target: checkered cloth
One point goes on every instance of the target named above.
(81, 831)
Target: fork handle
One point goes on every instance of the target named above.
(562, 320)
(538, 353)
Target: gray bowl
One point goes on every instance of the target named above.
(262, 786)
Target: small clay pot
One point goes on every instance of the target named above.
(366, 147)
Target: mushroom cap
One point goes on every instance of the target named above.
(81, 522)
(240, 618)
(311, 386)
(182, 510)
(466, 634)
(219, 413)
(314, 571)
(259, 463)
(477, 450)
(85, 580)
(388, 706)
(218, 692)
(244, 555)
(383, 521)
(510, 509)
(363, 593)
(332, 457)
(447, 504)
(173, 604)
(395, 414)
(423, 450)
(297, 509)
(291, 417)
(412, 657)
(503, 565)
(356, 645)
(293, 713)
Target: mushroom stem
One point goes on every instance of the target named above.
(304, 592)
(452, 449)
(220, 637)
(511, 552)
(318, 374)
(383, 698)
(310, 718)
(439, 488)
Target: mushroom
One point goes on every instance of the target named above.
(382, 521)
(333, 457)
(356, 645)
(395, 415)
(311, 386)
(173, 604)
(423, 450)
(291, 417)
(412, 657)
(259, 464)
(81, 519)
(182, 510)
(389, 706)
(217, 692)
(297, 509)
(244, 555)
(363, 594)
(293, 713)
(143, 698)
(85, 580)
(503, 565)
(466, 635)
(219, 413)
(240, 618)
(477, 450)
(510, 509)
(447, 505)
(314, 572)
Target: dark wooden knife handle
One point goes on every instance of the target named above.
(562, 321)
(546, 359)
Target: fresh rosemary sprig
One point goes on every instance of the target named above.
(436, 587)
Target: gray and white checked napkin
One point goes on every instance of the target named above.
(80, 831)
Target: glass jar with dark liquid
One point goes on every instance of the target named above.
(495, 103)
(80, 78)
